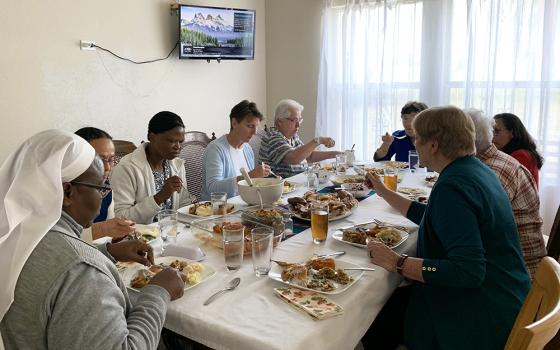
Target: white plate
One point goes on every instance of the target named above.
(128, 270)
(339, 179)
(295, 187)
(185, 211)
(276, 274)
(412, 191)
(331, 218)
(337, 235)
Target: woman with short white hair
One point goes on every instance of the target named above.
(282, 148)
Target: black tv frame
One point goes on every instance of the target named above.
(217, 58)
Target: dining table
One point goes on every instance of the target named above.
(253, 317)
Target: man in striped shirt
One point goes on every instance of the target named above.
(520, 187)
(282, 148)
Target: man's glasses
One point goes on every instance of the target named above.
(294, 120)
(110, 161)
(103, 190)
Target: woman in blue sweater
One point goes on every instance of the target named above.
(469, 279)
(226, 155)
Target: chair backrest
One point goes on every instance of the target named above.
(538, 320)
(553, 245)
(122, 148)
(192, 152)
(255, 143)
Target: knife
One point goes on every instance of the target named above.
(322, 256)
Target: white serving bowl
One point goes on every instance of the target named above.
(358, 190)
(271, 190)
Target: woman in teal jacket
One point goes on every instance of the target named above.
(469, 277)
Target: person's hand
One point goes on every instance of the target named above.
(387, 139)
(327, 141)
(262, 170)
(381, 255)
(172, 184)
(374, 181)
(132, 250)
(116, 228)
(171, 280)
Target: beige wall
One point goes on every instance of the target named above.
(293, 34)
(47, 82)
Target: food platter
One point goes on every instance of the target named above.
(331, 218)
(203, 209)
(412, 191)
(196, 273)
(341, 237)
(340, 179)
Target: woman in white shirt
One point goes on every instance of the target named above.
(152, 178)
(225, 156)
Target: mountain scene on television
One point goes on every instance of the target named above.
(217, 28)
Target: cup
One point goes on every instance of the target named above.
(312, 180)
(234, 244)
(341, 163)
(167, 223)
(261, 247)
(219, 203)
(350, 157)
(319, 222)
(412, 160)
(390, 176)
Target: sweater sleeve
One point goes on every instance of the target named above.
(88, 310)
(389, 154)
(416, 212)
(454, 222)
(215, 168)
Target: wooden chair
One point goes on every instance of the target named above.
(553, 246)
(192, 152)
(538, 320)
(122, 148)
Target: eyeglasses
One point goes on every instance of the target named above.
(294, 120)
(101, 189)
(109, 161)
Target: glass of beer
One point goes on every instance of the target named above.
(319, 222)
(390, 176)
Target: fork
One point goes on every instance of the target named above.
(272, 173)
(386, 224)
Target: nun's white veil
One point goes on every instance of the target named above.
(31, 191)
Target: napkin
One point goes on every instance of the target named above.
(313, 304)
(187, 252)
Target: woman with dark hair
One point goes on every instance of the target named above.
(152, 178)
(511, 137)
(225, 156)
(105, 224)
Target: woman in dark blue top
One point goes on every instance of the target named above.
(469, 277)
(402, 141)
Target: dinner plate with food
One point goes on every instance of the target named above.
(341, 204)
(325, 276)
(412, 191)
(147, 233)
(394, 164)
(136, 276)
(357, 235)
(290, 187)
(340, 179)
(201, 209)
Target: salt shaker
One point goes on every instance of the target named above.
(288, 225)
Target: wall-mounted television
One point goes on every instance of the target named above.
(216, 33)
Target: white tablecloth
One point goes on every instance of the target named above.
(252, 317)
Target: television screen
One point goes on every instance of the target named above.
(215, 32)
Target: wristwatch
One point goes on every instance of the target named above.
(400, 263)
(316, 139)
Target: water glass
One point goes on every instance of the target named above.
(341, 163)
(390, 176)
(219, 203)
(412, 160)
(312, 180)
(261, 246)
(319, 222)
(167, 223)
(350, 157)
(234, 244)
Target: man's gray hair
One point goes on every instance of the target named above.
(483, 128)
(284, 109)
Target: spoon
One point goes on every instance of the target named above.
(354, 145)
(246, 176)
(231, 286)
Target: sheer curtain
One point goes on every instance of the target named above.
(494, 55)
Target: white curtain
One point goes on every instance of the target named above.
(494, 55)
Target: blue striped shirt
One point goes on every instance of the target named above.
(274, 148)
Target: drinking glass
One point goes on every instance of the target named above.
(319, 222)
(219, 203)
(390, 176)
(167, 223)
(279, 228)
(233, 245)
(350, 157)
(261, 247)
(412, 160)
(340, 163)
(312, 179)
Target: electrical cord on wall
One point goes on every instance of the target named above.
(137, 62)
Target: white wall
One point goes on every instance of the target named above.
(293, 45)
(47, 82)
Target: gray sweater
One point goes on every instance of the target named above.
(70, 296)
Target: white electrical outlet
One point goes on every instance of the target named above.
(87, 45)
